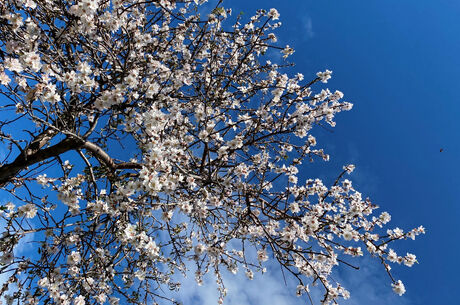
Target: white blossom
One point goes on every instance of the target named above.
(29, 210)
(398, 288)
(273, 13)
(80, 300)
(324, 76)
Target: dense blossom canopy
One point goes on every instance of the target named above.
(184, 141)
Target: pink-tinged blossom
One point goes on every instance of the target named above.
(4, 79)
(28, 210)
(30, 4)
(273, 13)
(262, 255)
(398, 288)
(32, 60)
(324, 76)
(80, 300)
(13, 65)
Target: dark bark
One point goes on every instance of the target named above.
(31, 155)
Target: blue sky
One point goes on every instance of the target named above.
(398, 63)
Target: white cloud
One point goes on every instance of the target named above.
(308, 27)
(369, 285)
(268, 288)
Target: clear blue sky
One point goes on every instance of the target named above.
(399, 63)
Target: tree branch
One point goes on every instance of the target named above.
(104, 158)
(32, 156)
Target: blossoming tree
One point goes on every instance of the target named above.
(184, 142)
